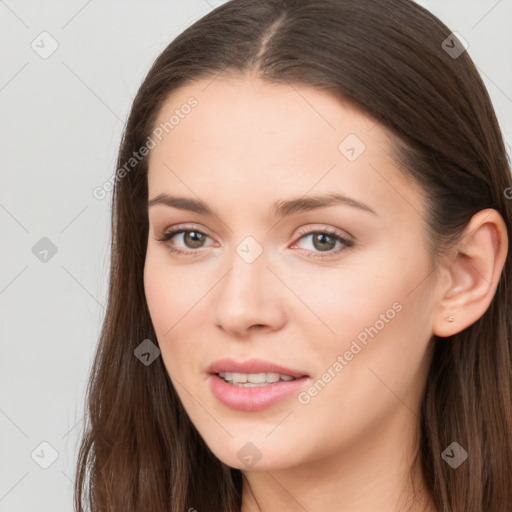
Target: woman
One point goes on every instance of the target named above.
(309, 301)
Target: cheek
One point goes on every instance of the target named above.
(170, 292)
(376, 329)
(360, 385)
(158, 291)
(173, 299)
(367, 290)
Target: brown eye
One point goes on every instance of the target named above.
(183, 241)
(323, 241)
(193, 239)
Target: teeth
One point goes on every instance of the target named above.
(251, 380)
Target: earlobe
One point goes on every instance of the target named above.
(474, 273)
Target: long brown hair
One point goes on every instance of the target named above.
(139, 450)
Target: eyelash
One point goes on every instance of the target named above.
(166, 237)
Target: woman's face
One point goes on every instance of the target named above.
(265, 277)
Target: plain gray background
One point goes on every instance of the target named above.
(61, 122)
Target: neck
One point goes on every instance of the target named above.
(377, 472)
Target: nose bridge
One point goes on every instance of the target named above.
(247, 294)
(248, 271)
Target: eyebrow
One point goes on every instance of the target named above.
(280, 208)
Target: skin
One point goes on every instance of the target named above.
(248, 144)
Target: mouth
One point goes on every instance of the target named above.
(252, 380)
(253, 371)
(254, 385)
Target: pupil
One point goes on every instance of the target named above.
(194, 237)
(322, 237)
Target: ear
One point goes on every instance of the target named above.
(472, 272)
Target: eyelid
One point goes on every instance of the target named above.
(185, 227)
(347, 241)
(325, 229)
(173, 231)
(302, 231)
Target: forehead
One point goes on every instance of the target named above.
(245, 136)
(241, 113)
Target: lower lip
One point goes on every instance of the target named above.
(255, 398)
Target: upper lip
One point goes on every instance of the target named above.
(252, 366)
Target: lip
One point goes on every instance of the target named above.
(252, 366)
(252, 399)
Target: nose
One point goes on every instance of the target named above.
(250, 297)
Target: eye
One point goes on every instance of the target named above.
(324, 241)
(193, 239)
